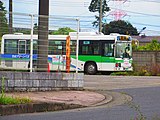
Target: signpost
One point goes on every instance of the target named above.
(68, 51)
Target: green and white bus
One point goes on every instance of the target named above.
(96, 52)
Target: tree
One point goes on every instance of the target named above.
(95, 7)
(62, 31)
(121, 27)
(42, 61)
(3, 20)
(10, 17)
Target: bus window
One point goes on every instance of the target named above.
(35, 46)
(108, 49)
(28, 47)
(22, 46)
(56, 47)
(123, 50)
(86, 50)
(95, 46)
(73, 47)
(10, 47)
(88, 47)
(85, 47)
(51, 47)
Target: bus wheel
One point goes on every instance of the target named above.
(90, 68)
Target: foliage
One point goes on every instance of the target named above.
(3, 20)
(120, 73)
(95, 7)
(121, 27)
(62, 31)
(153, 46)
(6, 100)
(21, 30)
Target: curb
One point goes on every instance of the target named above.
(35, 107)
(108, 98)
(48, 106)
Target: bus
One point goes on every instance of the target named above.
(96, 52)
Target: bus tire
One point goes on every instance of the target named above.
(90, 68)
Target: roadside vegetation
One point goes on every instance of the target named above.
(7, 100)
(154, 45)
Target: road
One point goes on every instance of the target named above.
(104, 82)
(144, 91)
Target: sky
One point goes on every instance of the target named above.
(140, 13)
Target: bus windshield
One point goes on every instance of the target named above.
(123, 50)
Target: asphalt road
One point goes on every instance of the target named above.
(144, 91)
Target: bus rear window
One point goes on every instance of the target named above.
(10, 47)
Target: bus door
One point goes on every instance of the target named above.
(22, 47)
(22, 62)
(107, 54)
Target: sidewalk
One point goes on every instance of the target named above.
(84, 98)
(53, 101)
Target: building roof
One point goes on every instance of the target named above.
(146, 39)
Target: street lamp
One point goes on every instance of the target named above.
(141, 30)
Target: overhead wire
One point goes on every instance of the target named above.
(58, 3)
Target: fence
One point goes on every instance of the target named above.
(148, 59)
(24, 52)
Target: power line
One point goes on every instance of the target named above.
(139, 13)
(88, 17)
(153, 1)
(58, 3)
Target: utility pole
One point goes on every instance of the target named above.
(100, 17)
(43, 36)
(10, 17)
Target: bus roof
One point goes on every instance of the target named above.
(73, 35)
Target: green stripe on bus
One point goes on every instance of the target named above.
(99, 59)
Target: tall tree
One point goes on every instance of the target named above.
(121, 27)
(96, 6)
(10, 17)
(3, 20)
(43, 35)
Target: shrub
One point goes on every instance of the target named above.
(6, 100)
(153, 46)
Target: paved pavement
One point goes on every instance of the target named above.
(85, 98)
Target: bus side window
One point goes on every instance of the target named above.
(108, 50)
(96, 50)
(10, 46)
(86, 47)
(22, 47)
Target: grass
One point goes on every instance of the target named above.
(7, 100)
(122, 73)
